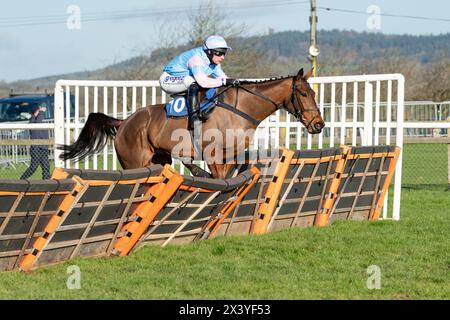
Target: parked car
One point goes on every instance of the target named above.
(17, 107)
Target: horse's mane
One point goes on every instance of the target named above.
(265, 80)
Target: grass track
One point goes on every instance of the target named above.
(313, 263)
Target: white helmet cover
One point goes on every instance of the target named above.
(215, 42)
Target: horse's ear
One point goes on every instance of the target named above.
(300, 74)
(308, 74)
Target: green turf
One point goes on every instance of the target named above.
(10, 173)
(319, 263)
(413, 255)
(425, 164)
(15, 173)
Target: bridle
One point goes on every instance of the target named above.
(298, 113)
(294, 100)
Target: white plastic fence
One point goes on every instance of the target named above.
(358, 110)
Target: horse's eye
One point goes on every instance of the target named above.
(304, 94)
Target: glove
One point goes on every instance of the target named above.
(232, 82)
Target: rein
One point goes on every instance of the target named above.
(293, 99)
(231, 108)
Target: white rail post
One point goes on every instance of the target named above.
(448, 161)
(368, 110)
(59, 122)
(399, 142)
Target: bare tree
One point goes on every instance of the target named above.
(436, 79)
(207, 20)
(3, 89)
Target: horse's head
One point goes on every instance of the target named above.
(302, 103)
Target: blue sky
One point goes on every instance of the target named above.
(29, 48)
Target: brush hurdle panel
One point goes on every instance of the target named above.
(307, 183)
(195, 206)
(251, 177)
(26, 207)
(241, 219)
(365, 181)
(92, 225)
(144, 214)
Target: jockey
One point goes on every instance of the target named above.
(198, 67)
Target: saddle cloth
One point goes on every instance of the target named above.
(177, 106)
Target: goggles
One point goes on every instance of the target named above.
(218, 53)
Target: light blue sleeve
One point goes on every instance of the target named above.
(199, 69)
(218, 72)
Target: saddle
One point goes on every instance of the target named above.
(177, 106)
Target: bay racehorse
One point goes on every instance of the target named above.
(147, 136)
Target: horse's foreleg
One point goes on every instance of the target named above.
(197, 171)
(221, 171)
(161, 157)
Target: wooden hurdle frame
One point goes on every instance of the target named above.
(361, 168)
(380, 190)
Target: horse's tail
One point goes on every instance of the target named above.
(93, 137)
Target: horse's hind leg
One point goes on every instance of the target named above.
(133, 153)
(135, 159)
(131, 144)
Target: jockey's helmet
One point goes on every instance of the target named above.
(217, 43)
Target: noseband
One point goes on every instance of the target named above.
(298, 113)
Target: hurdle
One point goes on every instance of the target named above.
(242, 220)
(91, 224)
(26, 207)
(86, 213)
(365, 181)
(198, 208)
(309, 188)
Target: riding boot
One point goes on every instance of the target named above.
(193, 105)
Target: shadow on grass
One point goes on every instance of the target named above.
(429, 187)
